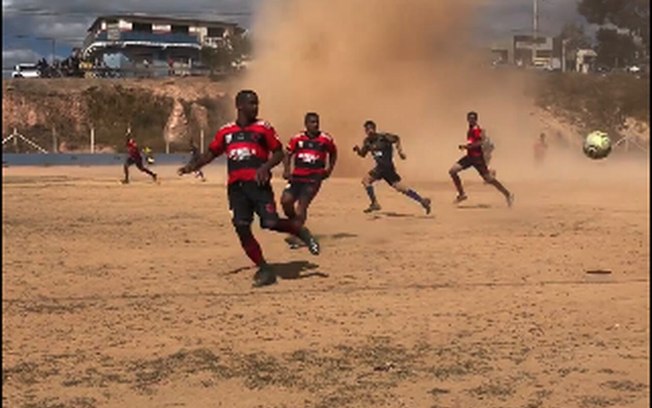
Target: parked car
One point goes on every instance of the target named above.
(26, 71)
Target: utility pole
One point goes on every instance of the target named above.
(535, 28)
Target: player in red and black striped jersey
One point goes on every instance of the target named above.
(252, 149)
(475, 158)
(134, 157)
(310, 150)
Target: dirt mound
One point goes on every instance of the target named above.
(156, 110)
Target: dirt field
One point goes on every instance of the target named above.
(140, 296)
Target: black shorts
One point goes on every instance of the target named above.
(303, 189)
(138, 161)
(387, 173)
(247, 198)
(476, 162)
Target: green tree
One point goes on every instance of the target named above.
(217, 59)
(615, 50)
(631, 14)
(575, 36)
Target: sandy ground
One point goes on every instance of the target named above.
(140, 296)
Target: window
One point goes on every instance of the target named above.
(142, 27)
(215, 31)
(180, 29)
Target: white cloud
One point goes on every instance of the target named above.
(15, 56)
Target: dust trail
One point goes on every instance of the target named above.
(409, 65)
(401, 63)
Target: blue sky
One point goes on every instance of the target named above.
(29, 25)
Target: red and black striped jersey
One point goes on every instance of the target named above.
(474, 135)
(310, 154)
(246, 148)
(132, 148)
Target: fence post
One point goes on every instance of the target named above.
(167, 146)
(201, 138)
(92, 140)
(55, 148)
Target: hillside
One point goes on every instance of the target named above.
(157, 110)
(177, 109)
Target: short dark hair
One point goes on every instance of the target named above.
(245, 93)
(472, 113)
(311, 115)
(370, 123)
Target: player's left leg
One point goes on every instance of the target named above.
(265, 207)
(461, 164)
(128, 162)
(402, 188)
(139, 165)
(368, 181)
(488, 178)
(288, 201)
(306, 195)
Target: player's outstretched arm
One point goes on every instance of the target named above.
(195, 165)
(362, 151)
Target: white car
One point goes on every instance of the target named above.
(26, 71)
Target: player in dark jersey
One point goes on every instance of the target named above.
(134, 157)
(252, 149)
(474, 158)
(309, 150)
(381, 146)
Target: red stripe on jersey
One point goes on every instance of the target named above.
(310, 154)
(247, 148)
(472, 136)
(246, 174)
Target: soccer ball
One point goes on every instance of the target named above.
(150, 160)
(597, 145)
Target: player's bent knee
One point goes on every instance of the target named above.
(269, 223)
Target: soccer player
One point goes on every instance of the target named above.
(474, 157)
(194, 156)
(252, 149)
(309, 149)
(134, 157)
(381, 146)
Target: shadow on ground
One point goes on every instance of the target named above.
(297, 270)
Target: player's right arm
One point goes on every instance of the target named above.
(362, 151)
(215, 149)
(290, 150)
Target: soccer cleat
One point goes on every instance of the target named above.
(460, 198)
(124, 181)
(510, 200)
(309, 240)
(372, 207)
(426, 205)
(264, 276)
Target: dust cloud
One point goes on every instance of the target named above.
(410, 65)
